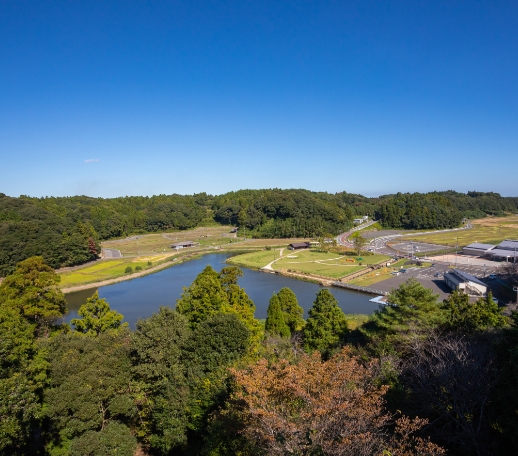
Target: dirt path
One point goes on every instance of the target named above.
(268, 267)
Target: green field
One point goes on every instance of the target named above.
(102, 270)
(377, 276)
(325, 264)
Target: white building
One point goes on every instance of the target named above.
(460, 280)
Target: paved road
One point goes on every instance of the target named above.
(111, 253)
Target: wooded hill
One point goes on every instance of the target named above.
(67, 230)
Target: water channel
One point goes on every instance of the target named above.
(141, 297)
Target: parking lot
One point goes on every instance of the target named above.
(432, 277)
(409, 247)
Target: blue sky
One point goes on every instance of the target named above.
(372, 97)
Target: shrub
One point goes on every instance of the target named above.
(138, 268)
(128, 270)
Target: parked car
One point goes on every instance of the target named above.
(437, 274)
(403, 270)
(495, 300)
(396, 273)
(491, 276)
(432, 265)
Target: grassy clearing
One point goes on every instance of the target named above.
(255, 259)
(488, 230)
(334, 272)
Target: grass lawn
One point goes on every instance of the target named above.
(487, 230)
(254, 259)
(325, 264)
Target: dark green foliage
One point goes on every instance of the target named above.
(97, 317)
(22, 379)
(90, 385)
(128, 270)
(326, 325)
(292, 312)
(204, 298)
(466, 316)
(27, 229)
(160, 376)
(33, 290)
(115, 438)
(411, 308)
(275, 323)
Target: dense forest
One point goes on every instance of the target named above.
(420, 377)
(67, 231)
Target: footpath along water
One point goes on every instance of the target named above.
(141, 297)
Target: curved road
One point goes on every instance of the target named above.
(379, 245)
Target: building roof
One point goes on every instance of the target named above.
(183, 244)
(300, 244)
(466, 277)
(508, 244)
(504, 253)
(479, 246)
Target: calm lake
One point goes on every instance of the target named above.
(141, 297)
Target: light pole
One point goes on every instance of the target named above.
(457, 248)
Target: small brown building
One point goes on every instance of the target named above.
(298, 245)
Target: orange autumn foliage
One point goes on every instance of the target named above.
(322, 408)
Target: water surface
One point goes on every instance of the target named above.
(141, 297)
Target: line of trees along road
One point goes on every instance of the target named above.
(66, 231)
(420, 377)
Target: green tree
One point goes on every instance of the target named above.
(115, 438)
(275, 324)
(358, 241)
(97, 317)
(217, 343)
(204, 298)
(240, 304)
(90, 388)
(326, 325)
(476, 316)
(410, 308)
(22, 379)
(33, 289)
(159, 379)
(293, 313)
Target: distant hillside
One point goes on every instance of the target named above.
(66, 231)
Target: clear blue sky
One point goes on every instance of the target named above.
(122, 98)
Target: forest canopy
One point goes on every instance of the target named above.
(66, 231)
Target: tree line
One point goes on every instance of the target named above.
(67, 230)
(420, 377)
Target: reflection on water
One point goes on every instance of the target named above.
(141, 297)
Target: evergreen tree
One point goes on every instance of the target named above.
(326, 325)
(33, 289)
(159, 379)
(97, 317)
(410, 308)
(292, 312)
(475, 316)
(275, 324)
(204, 298)
(22, 379)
